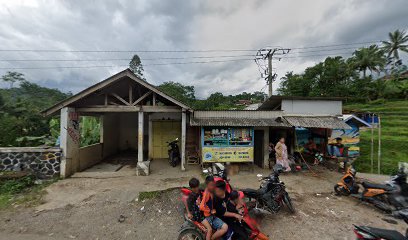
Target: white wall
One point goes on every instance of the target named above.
(110, 134)
(89, 156)
(316, 107)
(128, 131)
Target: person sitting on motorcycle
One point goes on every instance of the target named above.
(227, 211)
(193, 201)
(207, 207)
(237, 201)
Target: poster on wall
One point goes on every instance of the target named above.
(228, 154)
(350, 138)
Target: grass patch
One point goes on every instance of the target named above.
(21, 191)
(149, 195)
(394, 139)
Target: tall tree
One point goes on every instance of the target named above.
(13, 77)
(397, 42)
(136, 66)
(371, 58)
(179, 91)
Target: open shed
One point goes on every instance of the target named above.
(134, 115)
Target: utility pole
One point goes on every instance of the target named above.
(267, 54)
(270, 76)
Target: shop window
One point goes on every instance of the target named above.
(227, 137)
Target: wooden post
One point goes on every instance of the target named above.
(140, 138)
(183, 138)
(154, 99)
(372, 144)
(130, 94)
(379, 144)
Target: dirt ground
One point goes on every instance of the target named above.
(89, 206)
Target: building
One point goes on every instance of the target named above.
(136, 115)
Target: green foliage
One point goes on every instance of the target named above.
(21, 191)
(397, 42)
(183, 93)
(15, 186)
(13, 77)
(90, 128)
(371, 58)
(135, 65)
(21, 123)
(329, 78)
(149, 195)
(216, 101)
(394, 134)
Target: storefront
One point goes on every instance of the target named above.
(227, 144)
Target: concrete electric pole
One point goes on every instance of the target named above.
(267, 54)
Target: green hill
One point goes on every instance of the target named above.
(394, 135)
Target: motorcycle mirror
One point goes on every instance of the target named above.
(259, 175)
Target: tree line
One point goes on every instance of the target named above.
(371, 73)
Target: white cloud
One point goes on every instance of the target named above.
(183, 25)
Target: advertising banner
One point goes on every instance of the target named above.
(228, 154)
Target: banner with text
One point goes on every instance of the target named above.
(228, 154)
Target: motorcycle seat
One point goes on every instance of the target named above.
(251, 192)
(379, 186)
(384, 233)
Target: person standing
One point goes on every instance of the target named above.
(282, 154)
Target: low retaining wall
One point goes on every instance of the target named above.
(43, 162)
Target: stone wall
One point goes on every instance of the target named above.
(43, 162)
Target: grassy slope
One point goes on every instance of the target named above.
(394, 135)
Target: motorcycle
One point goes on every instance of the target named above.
(365, 232)
(347, 185)
(174, 153)
(389, 197)
(196, 230)
(271, 195)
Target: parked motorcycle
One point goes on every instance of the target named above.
(347, 184)
(197, 231)
(365, 232)
(271, 195)
(388, 197)
(174, 153)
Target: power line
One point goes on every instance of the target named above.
(174, 51)
(108, 66)
(118, 59)
(124, 51)
(337, 45)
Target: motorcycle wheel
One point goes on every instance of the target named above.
(190, 234)
(288, 202)
(174, 161)
(340, 190)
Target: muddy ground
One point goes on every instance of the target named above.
(320, 214)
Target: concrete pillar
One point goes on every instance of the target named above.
(143, 167)
(69, 141)
(140, 138)
(150, 136)
(183, 139)
(266, 148)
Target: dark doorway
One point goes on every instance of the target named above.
(259, 148)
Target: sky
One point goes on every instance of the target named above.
(110, 32)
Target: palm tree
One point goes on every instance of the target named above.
(371, 58)
(395, 43)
